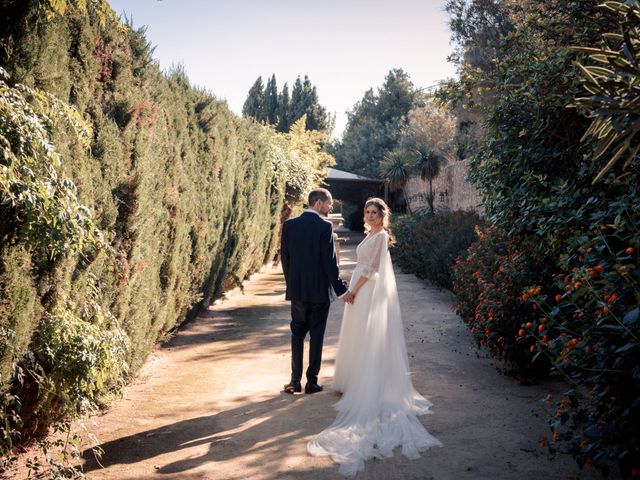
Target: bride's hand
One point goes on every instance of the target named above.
(347, 297)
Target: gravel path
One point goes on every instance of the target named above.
(208, 404)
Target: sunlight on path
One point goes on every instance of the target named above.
(208, 405)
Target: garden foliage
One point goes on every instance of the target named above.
(129, 199)
(429, 245)
(556, 279)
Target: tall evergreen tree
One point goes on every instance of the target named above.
(375, 124)
(284, 109)
(271, 101)
(317, 116)
(266, 105)
(304, 101)
(254, 104)
(297, 102)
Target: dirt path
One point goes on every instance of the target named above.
(208, 404)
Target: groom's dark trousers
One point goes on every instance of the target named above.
(307, 317)
(311, 272)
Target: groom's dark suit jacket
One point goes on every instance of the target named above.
(309, 259)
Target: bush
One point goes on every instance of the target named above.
(488, 283)
(591, 335)
(551, 181)
(429, 245)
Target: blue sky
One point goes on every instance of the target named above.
(346, 47)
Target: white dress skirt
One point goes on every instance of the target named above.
(379, 407)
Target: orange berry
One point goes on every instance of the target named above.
(605, 309)
(521, 332)
(598, 268)
(629, 251)
(558, 298)
(529, 325)
(577, 285)
(589, 250)
(532, 349)
(540, 328)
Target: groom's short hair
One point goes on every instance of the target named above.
(318, 194)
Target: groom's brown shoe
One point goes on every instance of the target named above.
(293, 388)
(312, 388)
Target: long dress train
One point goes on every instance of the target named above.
(379, 407)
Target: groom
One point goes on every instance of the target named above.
(310, 271)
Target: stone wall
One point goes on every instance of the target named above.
(451, 190)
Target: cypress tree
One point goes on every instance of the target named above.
(297, 102)
(254, 105)
(271, 101)
(317, 117)
(284, 109)
(304, 101)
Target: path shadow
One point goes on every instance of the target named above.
(257, 431)
(229, 324)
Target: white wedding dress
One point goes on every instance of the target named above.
(379, 407)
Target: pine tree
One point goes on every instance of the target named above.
(375, 125)
(254, 105)
(271, 101)
(284, 105)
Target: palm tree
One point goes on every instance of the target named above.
(428, 162)
(396, 168)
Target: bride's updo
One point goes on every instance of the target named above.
(383, 208)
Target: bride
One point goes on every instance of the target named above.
(379, 407)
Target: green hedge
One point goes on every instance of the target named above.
(429, 245)
(184, 191)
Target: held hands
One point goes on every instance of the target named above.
(348, 297)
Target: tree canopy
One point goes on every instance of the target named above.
(375, 124)
(266, 105)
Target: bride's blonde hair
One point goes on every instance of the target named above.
(384, 209)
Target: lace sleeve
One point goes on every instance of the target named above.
(379, 248)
